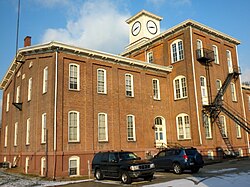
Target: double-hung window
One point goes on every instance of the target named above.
(102, 127)
(229, 61)
(177, 51)
(74, 166)
(28, 131)
(101, 81)
(223, 124)
(8, 102)
(180, 87)
(216, 54)
(44, 124)
(156, 89)
(199, 49)
(29, 89)
(207, 125)
(15, 133)
(18, 96)
(129, 85)
(183, 127)
(131, 127)
(74, 77)
(74, 127)
(233, 92)
(150, 57)
(6, 136)
(204, 94)
(45, 79)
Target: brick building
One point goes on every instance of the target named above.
(62, 104)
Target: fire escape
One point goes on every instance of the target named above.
(216, 106)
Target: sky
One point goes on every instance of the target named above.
(100, 24)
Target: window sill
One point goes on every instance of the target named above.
(102, 93)
(103, 141)
(157, 99)
(178, 99)
(71, 142)
(74, 90)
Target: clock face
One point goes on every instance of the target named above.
(136, 28)
(151, 26)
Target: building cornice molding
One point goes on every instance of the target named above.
(52, 46)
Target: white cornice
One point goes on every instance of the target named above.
(52, 46)
(143, 12)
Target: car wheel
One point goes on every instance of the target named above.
(98, 174)
(195, 170)
(125, 178)
(149, 177)
(177, 168)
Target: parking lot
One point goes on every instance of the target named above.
(233, 172)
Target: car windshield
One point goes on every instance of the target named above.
(190, 151)
(128, 156)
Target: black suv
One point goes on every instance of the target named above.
(179, 159)
(122, 165)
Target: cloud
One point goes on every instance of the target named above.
(99, 25)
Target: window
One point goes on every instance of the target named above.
(156, 89)
(18, 94)
(43, 166)
(216, 54)
(223, 126)
(45, 80)
(207, 126)
(27, 164)
(229, 61)
(101, 81)
(160, 131)
(183, 127)
(218, 86)
(204, 95)
(28, 131)
(102, 127)
(210, 155)
(248, 102)
(240, 150)
(180, 87)
(74, 79)
(238, 131)
(74, 166)
(233, 92)
(44, 123)
(8, 102)
(150, 57)
(74, 126)
(6, 136)
(15, 133)
(131, 127)
(29, 89)
(129, 85)
(177, 51)
(199, 47)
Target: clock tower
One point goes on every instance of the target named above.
(142, 27)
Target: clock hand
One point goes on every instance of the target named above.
(136, 28)
(151, 27)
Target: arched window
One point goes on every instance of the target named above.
(73, 126)
(43, 166)
(216, 54)
(160, 132)
(102, 127)
(74, 166)
(199, 48)
(101, 81)
(204, 94)
(183, 127)
(131, 128)
(180, 87)
(156, 89)
(223, 126)
(177, 51)
(74, 77)
(129, 85)
(229, 61)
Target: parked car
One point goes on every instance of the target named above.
(179, 159)
(123, 165)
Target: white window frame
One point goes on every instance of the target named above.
(223, 124)
(216, 54)
(27, 159)
(131, 135)
(200, 47)
(104, 126)
(207, 126)
(29, 89)
(77, 159)
(43, 166)
(150, 57)
(160, 131)
(177, 53)
(101, 81)
(28, 131)
(15, 133)
(73, 126)
(18, 92)
(129, 85)
(8, 102)
(6, 136)
(233, 92)
(156, 89)
(183, 120)
(229, 61)
(76, 79)
(204, 93)
(238, 130)
(44, 126)
(180, 90)
(45, 79)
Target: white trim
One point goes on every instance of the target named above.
(156, 96)
(44, 126)
(178, 54)
(207, 126)
(27, 164)
(195, 86)
(204, 93)
(15, 133)
(179, 78)
(133, 126)
(43, 166)
(150, 57)
(233, 92)
(29, 89)
(77, 159)
(77, 126)
(105, 126)
(104, 81)
(185, 133)
(229, 61)
(77, 76)
(6, 136)
(18, 94)
(130, 85)
(45, 79)
(223, 125)
(8, 102)
(28, 131)
(216, 54)
(158, 142)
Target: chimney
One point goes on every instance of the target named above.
(27, 41)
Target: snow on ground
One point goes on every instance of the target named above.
(232, 180)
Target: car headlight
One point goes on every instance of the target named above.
(152, 165)
(134, 168)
